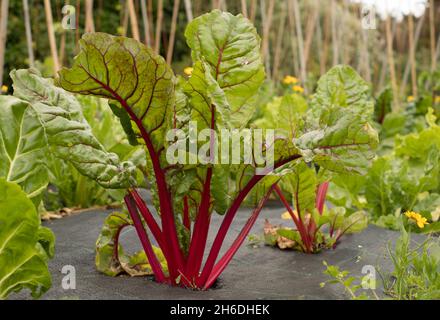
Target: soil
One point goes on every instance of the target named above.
(255, 272)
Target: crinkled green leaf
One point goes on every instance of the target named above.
(107, 255)
(112, 260)
(67, 133)
(23, 147)
(337, 132)
(137, 265)
(383, 105)
(25, 246)
(301, 183)
(126, 71)
(228, 46)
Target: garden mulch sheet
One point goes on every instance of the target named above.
(255, 272)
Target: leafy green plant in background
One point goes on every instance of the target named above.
(339, 98)
(404, 180)
(71, 189)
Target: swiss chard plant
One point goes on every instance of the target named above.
(343, 101)
(405, 179)
(152, 104)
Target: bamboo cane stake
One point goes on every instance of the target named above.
(334, 33)
(125, 19)
(133, 20)
(173, 31)
(365, 54)
(319, 40)
(412, 54)
(392, 69)
(432, 35)
(253, 10)
(266, 28)
(279, 42)
(158, 26)
(146, 22)
(27, 24)
(310, 31)
(51, 34)
(407, 71)
(384, 68)
(90, 25)
(292, 37)
(188, 10)
(300, 42)
(326, 45)
(3, 35)
(244, 8)
(151, 20)
(437, 51)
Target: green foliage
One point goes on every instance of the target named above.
(67, 134)
(416, 271)
(405, 179)
(111, 259)
(25, 246)
(71, 189)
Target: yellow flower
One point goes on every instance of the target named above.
(410, 99)
(298, 89)
(290, 80)
(4, 89)
(188, 71)
(417, 218)
(286, 215)
(437, 99)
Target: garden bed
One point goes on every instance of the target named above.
(254, 273)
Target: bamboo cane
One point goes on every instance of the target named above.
(407, 71)
(27, 24)
(133, 20)
(390, 55)
(300, 43)
(334, 33)
(279, 42)
(173, 31)
(3, 35)
(412, 54)
(292, 37)
(90, 25)
(188, 10)
(244, 8)
(158, 26)
(253, 10)
(146, 22)
(310, 31)
(151, 20)
(326, 45)
(266, 28)
(432, 35)
(51, 34)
